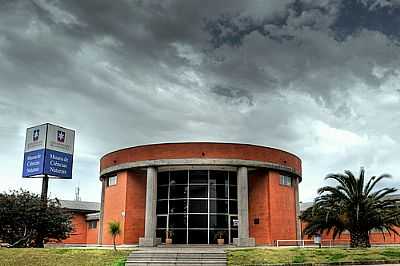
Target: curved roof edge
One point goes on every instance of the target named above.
(201, 142)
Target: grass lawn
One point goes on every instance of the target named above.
(61, 256)
(309, 255)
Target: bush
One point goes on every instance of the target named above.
(25, 220)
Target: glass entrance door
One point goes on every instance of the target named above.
(196, 206)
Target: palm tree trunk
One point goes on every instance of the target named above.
(115, 247)
(39, 242)
(359, 239)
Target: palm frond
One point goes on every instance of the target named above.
(373, 184)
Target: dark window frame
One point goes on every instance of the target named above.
(112, 181)
(285, 180)
(92, 224)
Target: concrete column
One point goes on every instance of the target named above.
(298, 223)
(149, 239)
(103, 190)
(243, 239)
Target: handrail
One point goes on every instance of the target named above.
(301, 241)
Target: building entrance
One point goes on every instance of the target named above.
(197, 206)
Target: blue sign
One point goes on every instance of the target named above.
(58, 164)
(48, 151)
(33, 163)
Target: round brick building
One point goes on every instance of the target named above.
(199, 191)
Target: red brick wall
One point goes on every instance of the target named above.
(92, 234)
(78, 235)
(377, 238)
(114, 206)
(135, 207)
(129, 196)
(282, 207)
(274, 205)
(374, 238)
(258, 207)
(201, 150)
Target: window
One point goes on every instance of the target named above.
(198, 191)
(178, 178)
(218, 206)
(286, 180)
(219, 191)
(196, 204)
(92, 224)
(198, 176)
(219, 177)
(112, 181)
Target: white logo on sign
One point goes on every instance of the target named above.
(60, 136)
(35, 135)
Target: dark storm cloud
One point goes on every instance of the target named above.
(311, 56)
(301, 75)
(374, 15)
(235, 94)
(232, 29)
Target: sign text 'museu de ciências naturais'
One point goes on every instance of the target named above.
(49, 151)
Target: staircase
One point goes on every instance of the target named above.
(178, 256)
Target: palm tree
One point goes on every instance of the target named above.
(355, 207)
(114, 228)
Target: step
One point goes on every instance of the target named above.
(171, 264)
(191, 263)
(152, 251)
(191, 260)
(168, 264)
(193, 256)
(175, 260)
(178, 255)
(178, 260)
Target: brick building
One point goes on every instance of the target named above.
(246, 193)
(85, 221)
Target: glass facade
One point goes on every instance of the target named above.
(196, 205)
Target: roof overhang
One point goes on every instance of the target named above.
(196, 161)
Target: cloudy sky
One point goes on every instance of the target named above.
(318, 78)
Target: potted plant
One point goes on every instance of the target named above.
(220, 237)
(168, 237)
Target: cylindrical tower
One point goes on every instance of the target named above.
(197, 192)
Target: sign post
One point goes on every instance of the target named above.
(45, 187)
(48, 153)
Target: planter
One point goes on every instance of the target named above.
(168, 241)
(220, 241)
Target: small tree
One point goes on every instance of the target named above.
(26, 221)
(115, 229)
